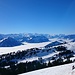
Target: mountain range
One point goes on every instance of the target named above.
(17, 39)
(36, 51)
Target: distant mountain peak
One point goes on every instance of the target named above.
(9, 42)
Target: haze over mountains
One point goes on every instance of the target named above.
(17, 39)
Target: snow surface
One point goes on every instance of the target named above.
(3, 39)
(69, 45)
(43, 55)
(58, 70)
(4, 50)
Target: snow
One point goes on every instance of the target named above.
(72, 58)
(49, 55)
(28, 60)
(4, 50)
(60, 40)
(57, 70)
(33, 58)
(70, 46)
(3, 39)
(44, 55)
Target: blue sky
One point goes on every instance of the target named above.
(37, 16)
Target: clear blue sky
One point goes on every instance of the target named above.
(37, 16)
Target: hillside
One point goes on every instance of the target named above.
(55, 43)
(9, 42)
(58, 70)
(26, 57)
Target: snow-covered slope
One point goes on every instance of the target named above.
(55, 43)
(58, 70)
(4, 50)
(70, 46)
(9, 42)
